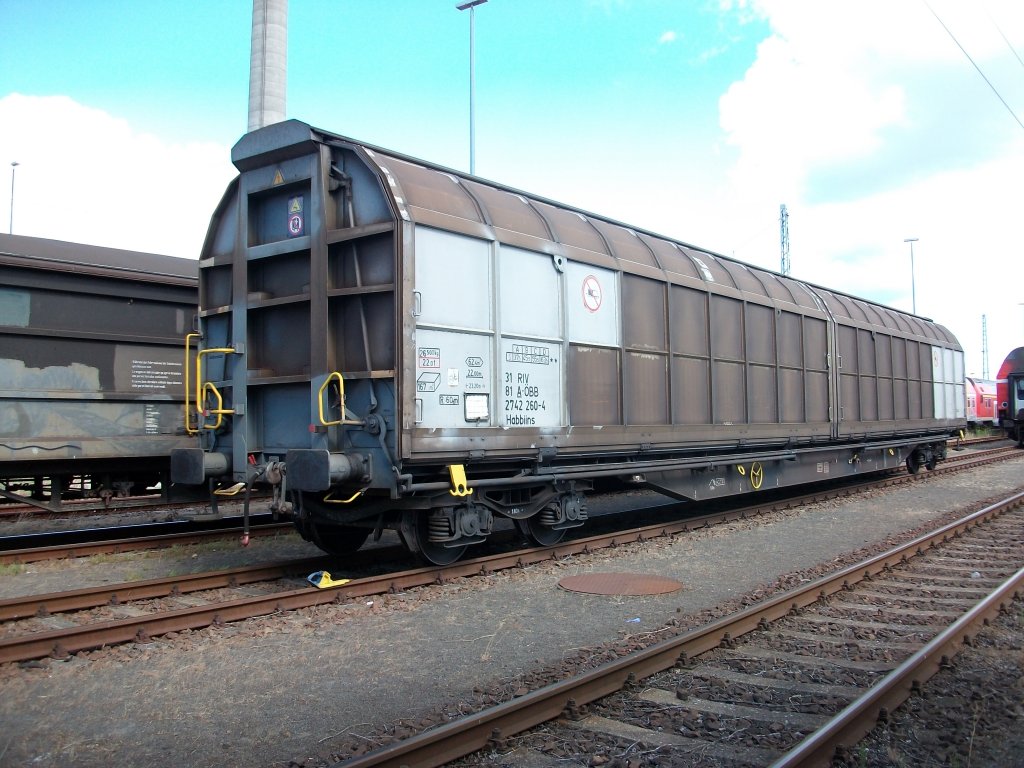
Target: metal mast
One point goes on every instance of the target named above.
(984, 346)
(784, 237)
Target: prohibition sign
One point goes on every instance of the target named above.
(591, 293)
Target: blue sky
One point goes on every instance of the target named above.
(695, 120)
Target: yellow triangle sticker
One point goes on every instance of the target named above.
(278, 178)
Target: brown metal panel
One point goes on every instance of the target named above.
(643, 314)
(790, 335)
(573, 229)
(817, 397)
(726, 327)
(445, 221)
(927, 392)
(646, 387)
(872, 313)
(763, 397)
(815, 344)
(433, 190)
(868, 398)
(593, 386)
(779, 289)
(849, 398)
(791, 396)
(866, 352)
(730, 395)
(709, 267)
(625, 243)
(760, 326)
(914, 360)
(886, 407)
(901, 401)
(509, 211)
(671, 258)
(689, 321)
(691, 391)
(743, 278)
(883, 354)
(899, 357)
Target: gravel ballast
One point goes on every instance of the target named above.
(267, 691)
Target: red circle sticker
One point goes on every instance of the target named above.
(591, 293)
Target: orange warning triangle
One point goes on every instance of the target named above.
(278, 178)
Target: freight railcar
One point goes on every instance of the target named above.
(392, 344)
(91, 375)
(1010, 394)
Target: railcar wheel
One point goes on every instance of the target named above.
(338, 539)
(538, 533)
(913, 463)
(415, 531)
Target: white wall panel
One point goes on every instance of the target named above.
(592, 304)
(453, 279)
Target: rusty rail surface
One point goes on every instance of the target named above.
(60, 642)
(476, 731)
(879, 480)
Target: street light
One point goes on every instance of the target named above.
(913, 292)
(14, 165)
(471, 5)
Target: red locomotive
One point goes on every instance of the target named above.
(1010, 395)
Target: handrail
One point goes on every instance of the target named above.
(341, 393)
(189, 429)
(219, 411)
(320, 399)
(203, 388)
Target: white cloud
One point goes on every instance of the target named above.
(87, 176)
(667, 37)
(872, 125)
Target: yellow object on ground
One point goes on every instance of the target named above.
(322, 580)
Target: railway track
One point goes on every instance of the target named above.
(784, 683)
(30, 548)
(57, 545)
(139, 611)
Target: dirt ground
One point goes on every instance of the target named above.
(289, 687)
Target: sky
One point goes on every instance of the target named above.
(872, 122)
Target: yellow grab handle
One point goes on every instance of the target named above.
(189, 429)
(320, 399)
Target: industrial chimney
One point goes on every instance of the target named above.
(268, 63)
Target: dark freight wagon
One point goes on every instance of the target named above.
(392, 344)
(91, 374)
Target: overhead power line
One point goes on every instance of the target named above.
(994, 90)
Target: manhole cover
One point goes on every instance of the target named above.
(619, 584)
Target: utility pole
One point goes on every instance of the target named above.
(784, 237)
(984, 346)
(471, 5)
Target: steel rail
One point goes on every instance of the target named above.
(23, 607)
(35, 554)
(860, 717)
(474, 732)
(134, 544)
(59, 643)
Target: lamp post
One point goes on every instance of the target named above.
(471, 5)
(913, 291)
(14, 165)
